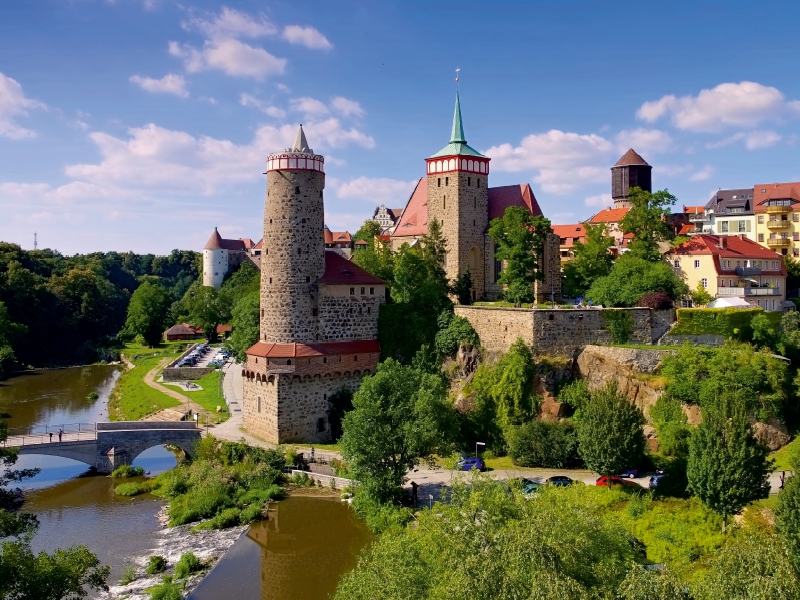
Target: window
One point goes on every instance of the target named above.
(730, 282)
(742, 226)
(446, 181)
(478, 179)
(796, 251)
(308, 279)
(270, 279)
(796, 237)
(726, 264)
(763, 191)
(723, 226)
(259, 404)
(371, 291)
(355, 358)
(439, 182)
(676, 263)
(795, 217)
(760, 237)
(760, 218)
(721, 283)
(320, 425)
(704, 282)
(774, 265)
(697, 264)
(363, 291)
(444, 202)
(289, 362)
(352, 291)
(469, 181)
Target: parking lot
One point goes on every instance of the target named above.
(203, 355)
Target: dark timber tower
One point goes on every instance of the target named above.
(630, 171)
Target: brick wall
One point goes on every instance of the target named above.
(349, 317)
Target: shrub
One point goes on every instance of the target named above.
(457, 331)
(656, 300)
(166, 590)
(716, 321)
(301, 479)
(128, 575)
(156, 564)
(127, 471)
(131, 489)
(187, 565)
(544, 444)
(619, 325)
(575, 393)
(92, 396)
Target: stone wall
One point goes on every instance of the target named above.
(559, 331)
(349, 317)
(185, 373)
(708, 339)
(550, 287)
(662, 322)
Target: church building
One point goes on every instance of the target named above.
(319, 311)
(456, 193)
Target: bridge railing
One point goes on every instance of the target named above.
(46, 429)
(50, 437)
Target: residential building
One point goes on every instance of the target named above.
(340, 242)
(568, 235)
(728, 212)
(777, 214)
(732, 266)
(611, 217)
(387, 217)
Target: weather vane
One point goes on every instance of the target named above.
(457, 70)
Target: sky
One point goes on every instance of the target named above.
(143, 124)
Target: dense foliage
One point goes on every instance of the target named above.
(592, 260)
(648, 221)
(549, 444)
(453, 332)
(631, 278)
(148, 313)
(729, 322)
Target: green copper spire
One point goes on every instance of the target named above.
(457, 136)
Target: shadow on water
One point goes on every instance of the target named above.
(298, 553)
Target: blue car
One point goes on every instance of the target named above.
(630, 474)
(472, 462)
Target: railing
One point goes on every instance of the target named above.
(743, 291)
(771, 210)
(779, 242)
(51, 437)
(748, 271)
(782, 224)
(46, 429)
(699, 218)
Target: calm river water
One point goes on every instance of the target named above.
(299, 553)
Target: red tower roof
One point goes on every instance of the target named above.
(631, 157)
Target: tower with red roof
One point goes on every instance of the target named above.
(318, 311)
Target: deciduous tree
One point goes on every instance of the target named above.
(592, 259)
(631, 278)
(148, 312)
(367, 232)
(648, 221)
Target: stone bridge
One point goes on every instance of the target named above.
(107, 446)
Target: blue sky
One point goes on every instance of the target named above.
(142, 124)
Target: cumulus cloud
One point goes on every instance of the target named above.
(564, 161)
(703, 174)
(169, 84)
(14, 104)
(231, 23)
(306, 36)
(230, 56)
(753, 140)
(381, 190)
(251, 101)
(744, 104)
(644, 141)
(309, 106)
(601, 200)
(347, 107)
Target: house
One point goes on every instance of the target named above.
(182, 331)
(340, 242)
(777, 210)
(387, 217)
(611, 217)
(729, 266)
(568, 235)
(728, 212)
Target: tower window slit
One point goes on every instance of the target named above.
(446, 181)
(297, 190)
(469, 181)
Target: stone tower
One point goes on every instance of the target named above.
(458, 197)
(293, 250)
(215, 261)
(630, 171)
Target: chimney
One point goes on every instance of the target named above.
(723, 242)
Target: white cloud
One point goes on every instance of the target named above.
(703, 174)
(229, 55)
(601, 200)
(644, 141)
(391, 192)
(306, 36)
(309, 106)
(283, 88)
(14, 104)
(753, 140)
(169, 84)
(671, 169)
(347, 107)
(564, 161)
(230, 23)
(744, 104)
(251, 101)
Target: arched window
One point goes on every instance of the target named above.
(289, 361)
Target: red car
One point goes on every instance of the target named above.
(612, 480)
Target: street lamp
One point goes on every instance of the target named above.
(476, 447)
(430, 501)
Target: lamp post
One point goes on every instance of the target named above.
(476, 447)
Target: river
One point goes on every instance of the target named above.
(299, 553)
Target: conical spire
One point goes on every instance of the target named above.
(300, 143)
(457, 136)
(214, 242)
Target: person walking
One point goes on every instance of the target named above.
(312, 454)
(51, 437)
(60, 433)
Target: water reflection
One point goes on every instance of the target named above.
(299, 553)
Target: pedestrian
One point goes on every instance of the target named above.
(51, 437)
(312, 453)
(60, 432)
(783, 478)
(414, 487)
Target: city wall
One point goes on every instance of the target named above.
(561, 331)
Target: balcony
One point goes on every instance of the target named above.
(748, 271)
(746, 291)
(779, 242)
(778, 224)
(699, 218)
(777, 210)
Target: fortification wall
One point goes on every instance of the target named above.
(498, 328)
(343, 316)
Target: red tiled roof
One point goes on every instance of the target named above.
(686, 228)
(248, 243)
(180, 329)
(500, 198)
(694, 210)
(395, 212)
(217, 242)
(631, 157)
(774, 191)
(609, 215)
(224, 328)
(258, 245)
(334, 237)
(340, 271)
(736, 247)
(569, 233)
(414, 220)
(270, 350)
(361, 243)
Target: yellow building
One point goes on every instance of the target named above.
(732, 267)
(777, 208)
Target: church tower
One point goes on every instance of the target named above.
(458, 197)
(293, 250)
(630, 171)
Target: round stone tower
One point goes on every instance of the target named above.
(293, 250)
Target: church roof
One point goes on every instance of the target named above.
(414, 220)
(340, 271)
(458, 144)
(631, 157)
(500, 198)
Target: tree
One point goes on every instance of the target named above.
(610, 436)
(700, 295)
(787, 514)
(454, 331)
(728, 467)
(245, 324)
(648, 221)
(205, 309)
(520, 239)
(400, 417)
(433, 250)
(148, 311)
(549, 444)
(11, 334)
(410, 275)
(631, 278)
(793, 272)
(592, 259)
(367, 232)
(462, 288)
(377, 260)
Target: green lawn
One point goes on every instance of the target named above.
(210, 397)
(782, 457)
(132, 398)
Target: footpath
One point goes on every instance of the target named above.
(168, 414)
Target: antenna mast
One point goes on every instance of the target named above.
(35, 241)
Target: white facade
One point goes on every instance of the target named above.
(726, 223)
(215, 266)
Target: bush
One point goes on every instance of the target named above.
(156, 564)
(132, 489)
(619, 325)
(127, 471)
(301, 479)
(92, 396)
(656, 300)
(187, 565)
(128, 575)
(457, 331)
(729, 322)
(166, 590)
(544, 444)
(631, 279)
(574, 393)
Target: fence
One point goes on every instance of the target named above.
(339, 483)
(46, 429)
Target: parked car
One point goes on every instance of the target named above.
(560, 480)
(630, 474)
(656, 479)
(530, 488)
(469, 463)
(612, 480)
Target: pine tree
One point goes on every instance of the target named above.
(728, 468)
